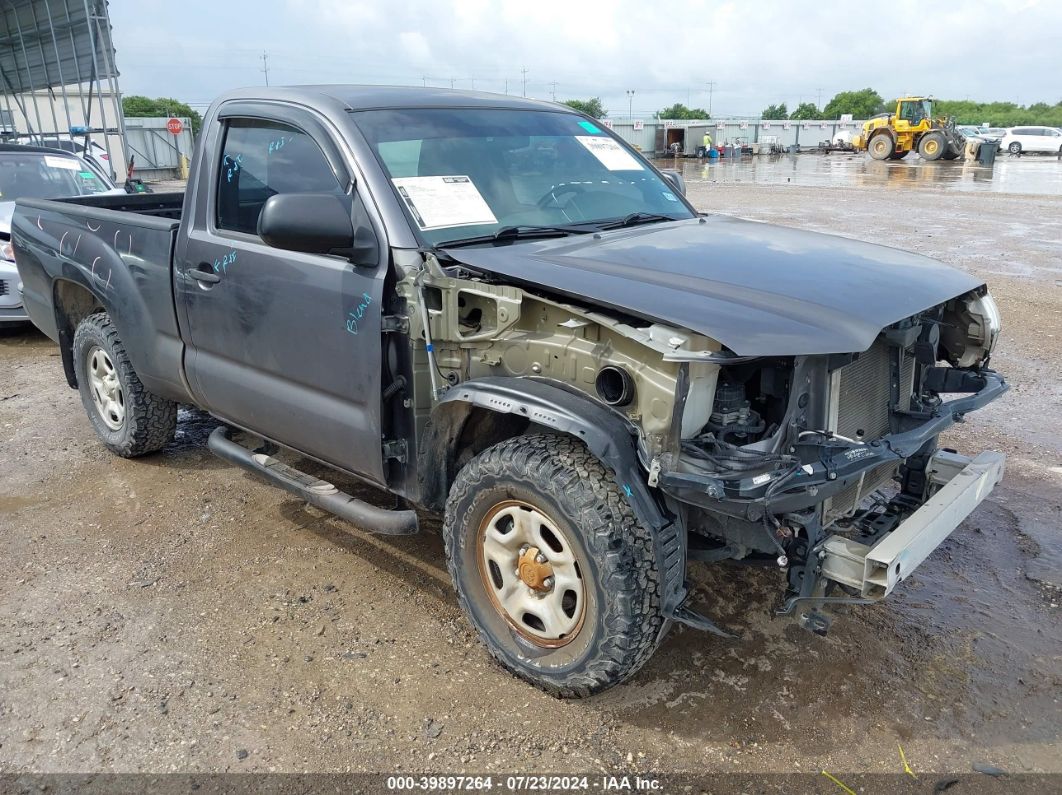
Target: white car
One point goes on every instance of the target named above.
(1032, 139)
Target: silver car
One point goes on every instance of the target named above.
(40, 173)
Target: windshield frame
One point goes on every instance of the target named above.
(414, 228)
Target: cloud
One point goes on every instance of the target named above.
(755, 54)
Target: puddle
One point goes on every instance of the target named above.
(1030, 175)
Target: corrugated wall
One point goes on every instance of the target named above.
(155, 148)
(786, 133)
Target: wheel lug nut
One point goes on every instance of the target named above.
(548, 583)
(540, 558)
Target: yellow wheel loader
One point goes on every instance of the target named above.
(911, 128)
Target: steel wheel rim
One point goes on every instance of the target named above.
(107, 394)
(508, 538)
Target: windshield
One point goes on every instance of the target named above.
(465, 172)
(38, 176)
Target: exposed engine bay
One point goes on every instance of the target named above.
(764, 458)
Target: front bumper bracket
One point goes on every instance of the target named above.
(876, 570)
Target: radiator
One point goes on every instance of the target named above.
(859, 409)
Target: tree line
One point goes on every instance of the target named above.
(865, 103)
(136, 106)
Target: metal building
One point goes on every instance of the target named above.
(659, 136)
(58, 75)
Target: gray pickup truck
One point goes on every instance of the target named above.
(495, 309)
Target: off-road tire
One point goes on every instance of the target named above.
(616, 555)
(881, 146)
(932, 146)
(150, 421)
(1014, 148)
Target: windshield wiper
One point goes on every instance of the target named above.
(521, 232)
(636, 218)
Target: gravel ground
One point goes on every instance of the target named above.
(176, 614)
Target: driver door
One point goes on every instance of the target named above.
(271, 344)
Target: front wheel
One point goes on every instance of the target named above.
(932, 146)
(1014, 148)
(128, 419)
(881, 146)
(551, 565)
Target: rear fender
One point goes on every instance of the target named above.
(126, 271)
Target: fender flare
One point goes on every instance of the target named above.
(608, 435)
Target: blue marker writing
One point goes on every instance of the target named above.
(357, 313)
(221, 264)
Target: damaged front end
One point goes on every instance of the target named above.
(829, 464)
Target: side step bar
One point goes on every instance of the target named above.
(315, 491)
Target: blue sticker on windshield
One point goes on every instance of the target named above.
(670, 196)
(590, 127)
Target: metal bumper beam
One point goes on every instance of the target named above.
(875, 571)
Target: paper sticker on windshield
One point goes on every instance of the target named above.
(441, 202)
(612, 156)
(62, 162)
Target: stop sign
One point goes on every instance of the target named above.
(175, 126)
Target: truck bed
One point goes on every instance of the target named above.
(157, 205)
(109, 251)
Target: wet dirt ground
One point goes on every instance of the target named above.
(176, 614)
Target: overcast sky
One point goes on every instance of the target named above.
(755, 53)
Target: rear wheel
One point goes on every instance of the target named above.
(1014, 148)
(551, 565)
(932, 146)
(881, 146)
(128, 419)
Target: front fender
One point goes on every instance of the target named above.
(608, 435)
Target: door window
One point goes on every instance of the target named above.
(260, 159)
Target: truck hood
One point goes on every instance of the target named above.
(759, 289)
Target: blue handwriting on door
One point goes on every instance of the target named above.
(357, 313)
(221, 264)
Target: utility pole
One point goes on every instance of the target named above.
(523, 72)
(451, 82)
(818, 99)
(265, 66)
(425, 79)
(507, 86)
(553, 90)
(711, 87)
(630, 103)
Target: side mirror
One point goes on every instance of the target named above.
(676, 180)
(315, 223)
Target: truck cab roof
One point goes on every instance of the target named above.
(361, 97)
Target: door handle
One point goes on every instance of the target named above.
(205, 276)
